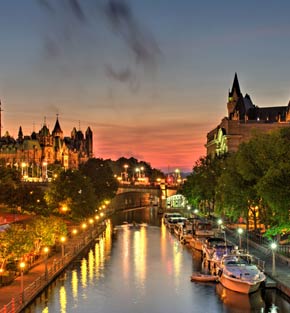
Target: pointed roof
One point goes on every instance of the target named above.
(20, 133)
(57, 129)
(235, 87)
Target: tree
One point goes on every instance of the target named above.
(46, 231)
(200, 186)
(235, 196)
(103, 181)
(16, 241)
(10, 181)
(71, 193)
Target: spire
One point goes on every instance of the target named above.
(57, 129)
(235, 87)
(20, 133)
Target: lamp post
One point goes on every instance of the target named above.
(62, 239)
(273, 248)
(45, 250)
(22, 266)
(220, 222)
(1, 273)
(240, 231)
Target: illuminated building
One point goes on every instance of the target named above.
(243, 121)
(33, 152)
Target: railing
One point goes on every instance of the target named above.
(20, 301)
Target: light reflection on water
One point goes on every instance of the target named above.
(144, 270)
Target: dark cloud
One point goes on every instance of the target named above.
(140, 42)
(72, 39)
(124, 76)
(77, 10)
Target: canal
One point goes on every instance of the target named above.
(144, 269)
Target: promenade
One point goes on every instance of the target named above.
(17, 295)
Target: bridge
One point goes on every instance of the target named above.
(130, 196)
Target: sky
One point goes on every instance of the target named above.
(150, 77)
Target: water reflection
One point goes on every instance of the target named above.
(62, 299)
(235, 302)
(74, 284)
(144, 269)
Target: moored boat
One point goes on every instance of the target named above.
(203, 277)
(237, 273)
(201, 231)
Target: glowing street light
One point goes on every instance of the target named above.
(46, 250)
(273, 248)
(62, 240)
(240, 231)
(22, 266)
(220, 222)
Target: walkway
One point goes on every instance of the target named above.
(14, 297)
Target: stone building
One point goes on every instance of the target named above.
(33, 153)
(243, 121)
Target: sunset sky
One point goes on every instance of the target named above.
(150, 77)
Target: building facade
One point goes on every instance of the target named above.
(243, 121)
(33, 153)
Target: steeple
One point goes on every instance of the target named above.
(234, 95)
(20, 134)
(57, 132)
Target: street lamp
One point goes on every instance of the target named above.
(62, 239)
(240, 231)
(220, 222)
(22, 266)
(46, 250)
(273, 248)
(1, 273)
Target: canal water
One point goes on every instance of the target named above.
(144, 269)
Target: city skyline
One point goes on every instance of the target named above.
(150, 78)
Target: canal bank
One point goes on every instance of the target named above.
(25, 288)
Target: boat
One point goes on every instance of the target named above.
(203, 277)
(209, 245)
(213, 255)
(201, 231)
(238, 273)
(168, 215)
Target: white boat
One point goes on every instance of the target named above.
(237, 273)
(168, 215)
